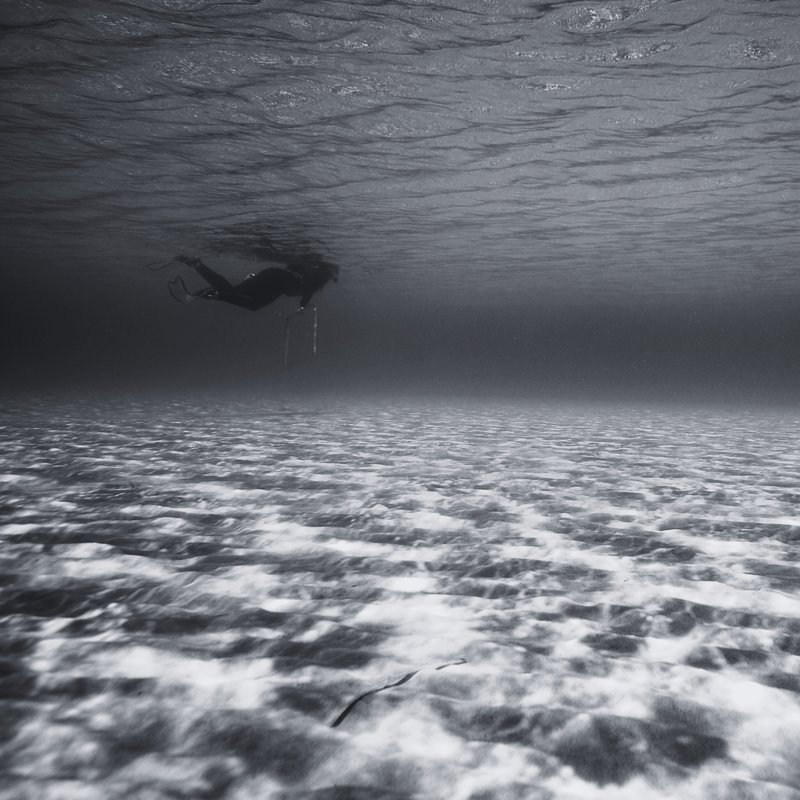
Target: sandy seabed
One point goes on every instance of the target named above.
(593, 603)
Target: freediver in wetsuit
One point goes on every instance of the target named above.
(301, 278)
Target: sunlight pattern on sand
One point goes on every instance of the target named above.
(192, 593)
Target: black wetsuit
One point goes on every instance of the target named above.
(257, 291)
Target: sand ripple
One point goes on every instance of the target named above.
(192, 595)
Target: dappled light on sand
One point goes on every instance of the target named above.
(527, 603)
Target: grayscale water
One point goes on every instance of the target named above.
(527, 200)
(192, 594)
(468, 151)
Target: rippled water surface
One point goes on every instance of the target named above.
(595, 149)
(569, 603)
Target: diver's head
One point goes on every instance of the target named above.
(330, 271)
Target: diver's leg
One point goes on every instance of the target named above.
(253, 293)
(178, 291)
(214, 279)
(237, 299)
(268, 285)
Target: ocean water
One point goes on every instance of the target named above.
(593, 149)
(529, 601)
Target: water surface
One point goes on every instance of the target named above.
(556, 150)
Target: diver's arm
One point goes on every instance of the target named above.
(305, 300)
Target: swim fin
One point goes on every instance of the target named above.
(178, 291)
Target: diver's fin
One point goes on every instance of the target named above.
(178, 291)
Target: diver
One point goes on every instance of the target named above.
(302, 277)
